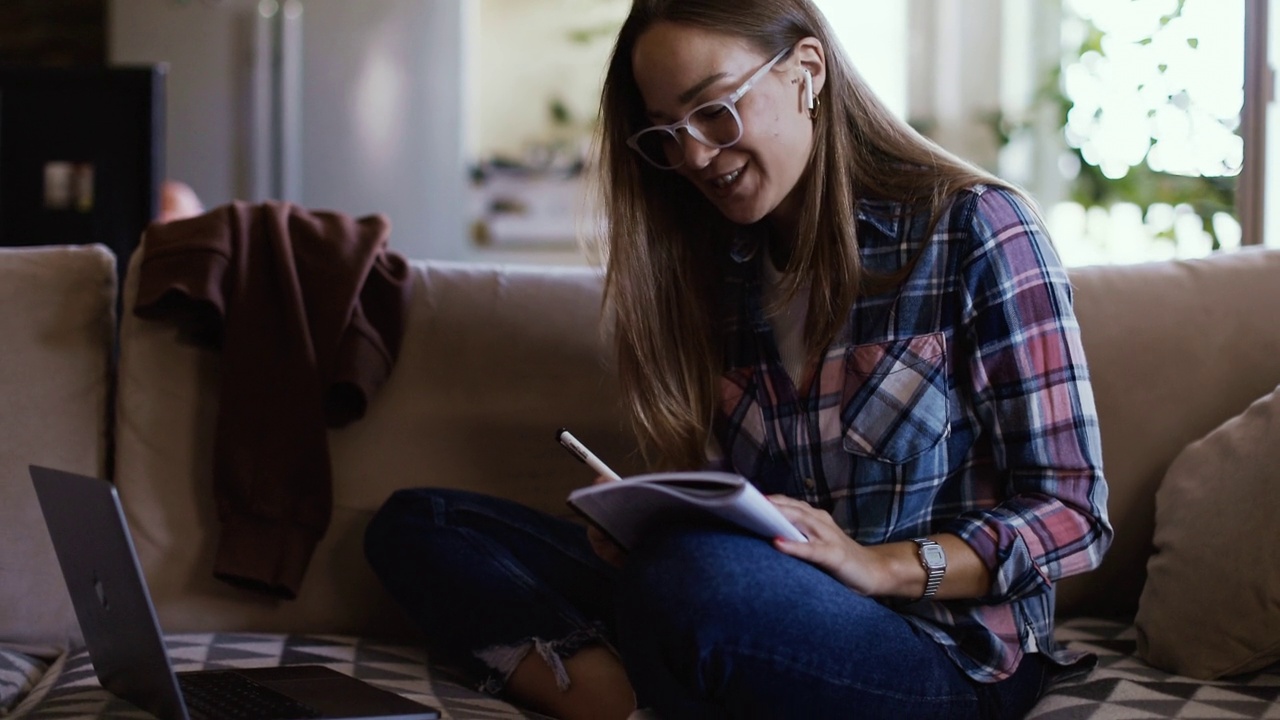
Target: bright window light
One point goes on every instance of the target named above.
(1164, 90)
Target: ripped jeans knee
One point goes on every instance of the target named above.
(503, 660)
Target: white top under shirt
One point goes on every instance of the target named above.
(788, 322)
(788, 333)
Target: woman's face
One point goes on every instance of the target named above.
(678, 67)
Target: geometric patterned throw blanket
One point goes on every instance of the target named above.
(18, 674)
(71, 690)
(1121, 686)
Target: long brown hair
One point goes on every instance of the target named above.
(662, 238)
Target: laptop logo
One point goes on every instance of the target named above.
(101, 592)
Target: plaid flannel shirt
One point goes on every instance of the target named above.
(958, 402)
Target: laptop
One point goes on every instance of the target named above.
(91, 539)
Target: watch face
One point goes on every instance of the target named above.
(934, 556)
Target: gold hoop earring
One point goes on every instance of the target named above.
(813, 113)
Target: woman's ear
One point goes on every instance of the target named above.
(813, 61)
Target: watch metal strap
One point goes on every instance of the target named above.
(935, 574)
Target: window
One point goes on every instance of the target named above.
(1261, 130)
(1153, 92)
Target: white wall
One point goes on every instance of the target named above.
(381, 118)
(875, 35)
(523, 55)
(1031, 51)
(202, 44)
(955, 76)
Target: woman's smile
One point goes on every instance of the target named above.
(728, 179)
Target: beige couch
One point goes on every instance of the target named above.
(494, 359)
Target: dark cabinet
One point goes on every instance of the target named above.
(81, 155)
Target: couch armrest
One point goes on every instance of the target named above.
(57, 329)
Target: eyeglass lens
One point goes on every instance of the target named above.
(715, 125)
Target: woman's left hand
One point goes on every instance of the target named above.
(829, 548)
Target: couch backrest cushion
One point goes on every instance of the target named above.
(56, 333)
(494, 360)
(1174, 349)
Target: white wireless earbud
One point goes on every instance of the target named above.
(808, 90)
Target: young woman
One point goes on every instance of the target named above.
(875, 333)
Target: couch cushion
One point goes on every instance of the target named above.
(58, 327)
(1211, 605)
(494, 359)
(1174, 349)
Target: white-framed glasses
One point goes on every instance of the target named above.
(715, 124)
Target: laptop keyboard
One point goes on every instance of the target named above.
(231, 696)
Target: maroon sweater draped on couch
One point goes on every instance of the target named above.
(307, 309)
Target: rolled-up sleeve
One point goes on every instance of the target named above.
(1031, 394)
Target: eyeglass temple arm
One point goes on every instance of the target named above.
(751, 81)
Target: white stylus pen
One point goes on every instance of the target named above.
(580, 451)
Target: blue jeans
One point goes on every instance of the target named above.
(708, 623)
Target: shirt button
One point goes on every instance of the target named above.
(810, 484)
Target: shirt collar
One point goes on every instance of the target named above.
(884, 216)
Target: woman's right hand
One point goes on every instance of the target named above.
(603, 546)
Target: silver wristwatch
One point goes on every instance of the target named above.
(934, 560)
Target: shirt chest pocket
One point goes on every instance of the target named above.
(894, 400)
